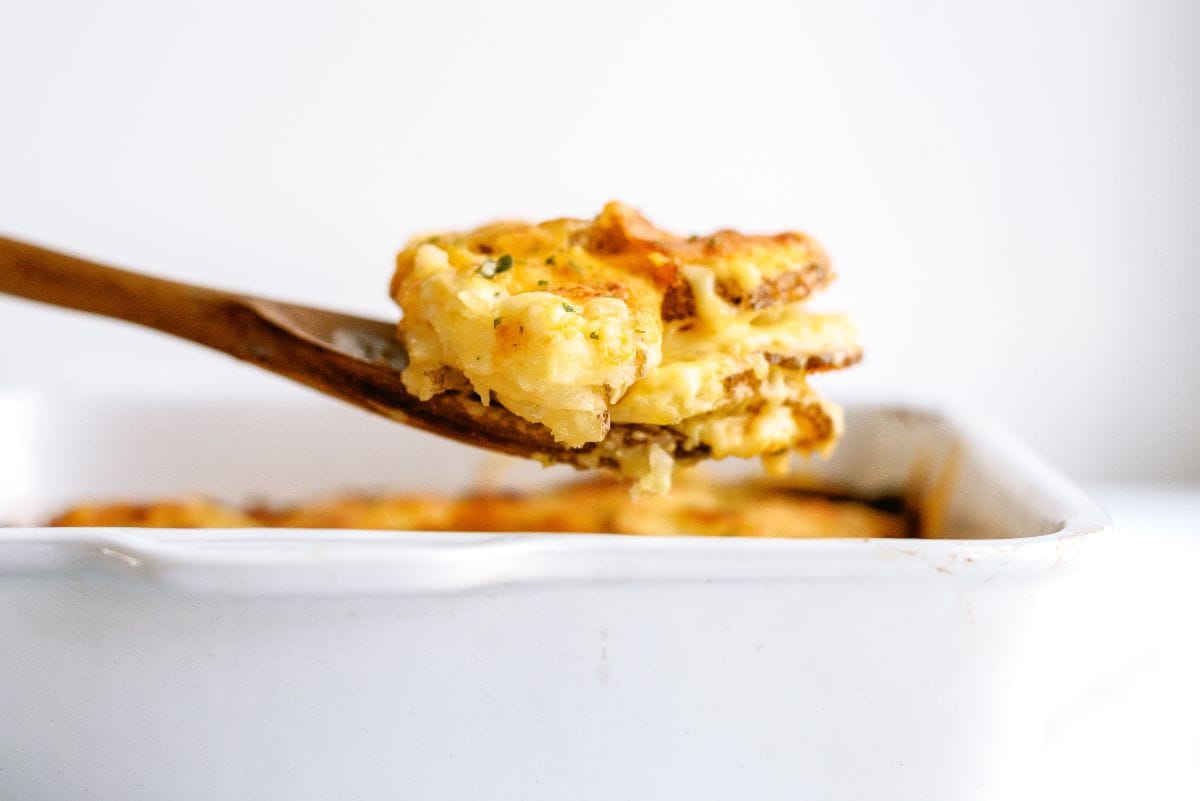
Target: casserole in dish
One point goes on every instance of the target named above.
(237, 664)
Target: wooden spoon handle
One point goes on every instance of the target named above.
(187, 311)
(244, 327)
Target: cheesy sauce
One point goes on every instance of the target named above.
(697, 345)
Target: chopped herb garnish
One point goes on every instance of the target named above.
(490, 269)
(496, 322)
(549, 260)
(575, 267)
(593, 335)
(543, 282)
(567, 307)
(639, 331)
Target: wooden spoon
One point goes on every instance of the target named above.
(351, 358)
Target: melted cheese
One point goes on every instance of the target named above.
(547, 346)
(578, 325)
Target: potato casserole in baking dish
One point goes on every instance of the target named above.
(750, 508)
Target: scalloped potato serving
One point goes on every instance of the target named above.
(637, 347)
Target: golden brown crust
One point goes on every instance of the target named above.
(621, 233)
(792, 264)
(183, 513)
(752, 508)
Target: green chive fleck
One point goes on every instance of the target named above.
(594, 335)
(567, 307)
(496, 322)
(575, 267)
(543, 282)
(549, 260)
(490, 269)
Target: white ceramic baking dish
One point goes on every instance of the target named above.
(139, 664)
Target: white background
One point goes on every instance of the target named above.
(1010, 190)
